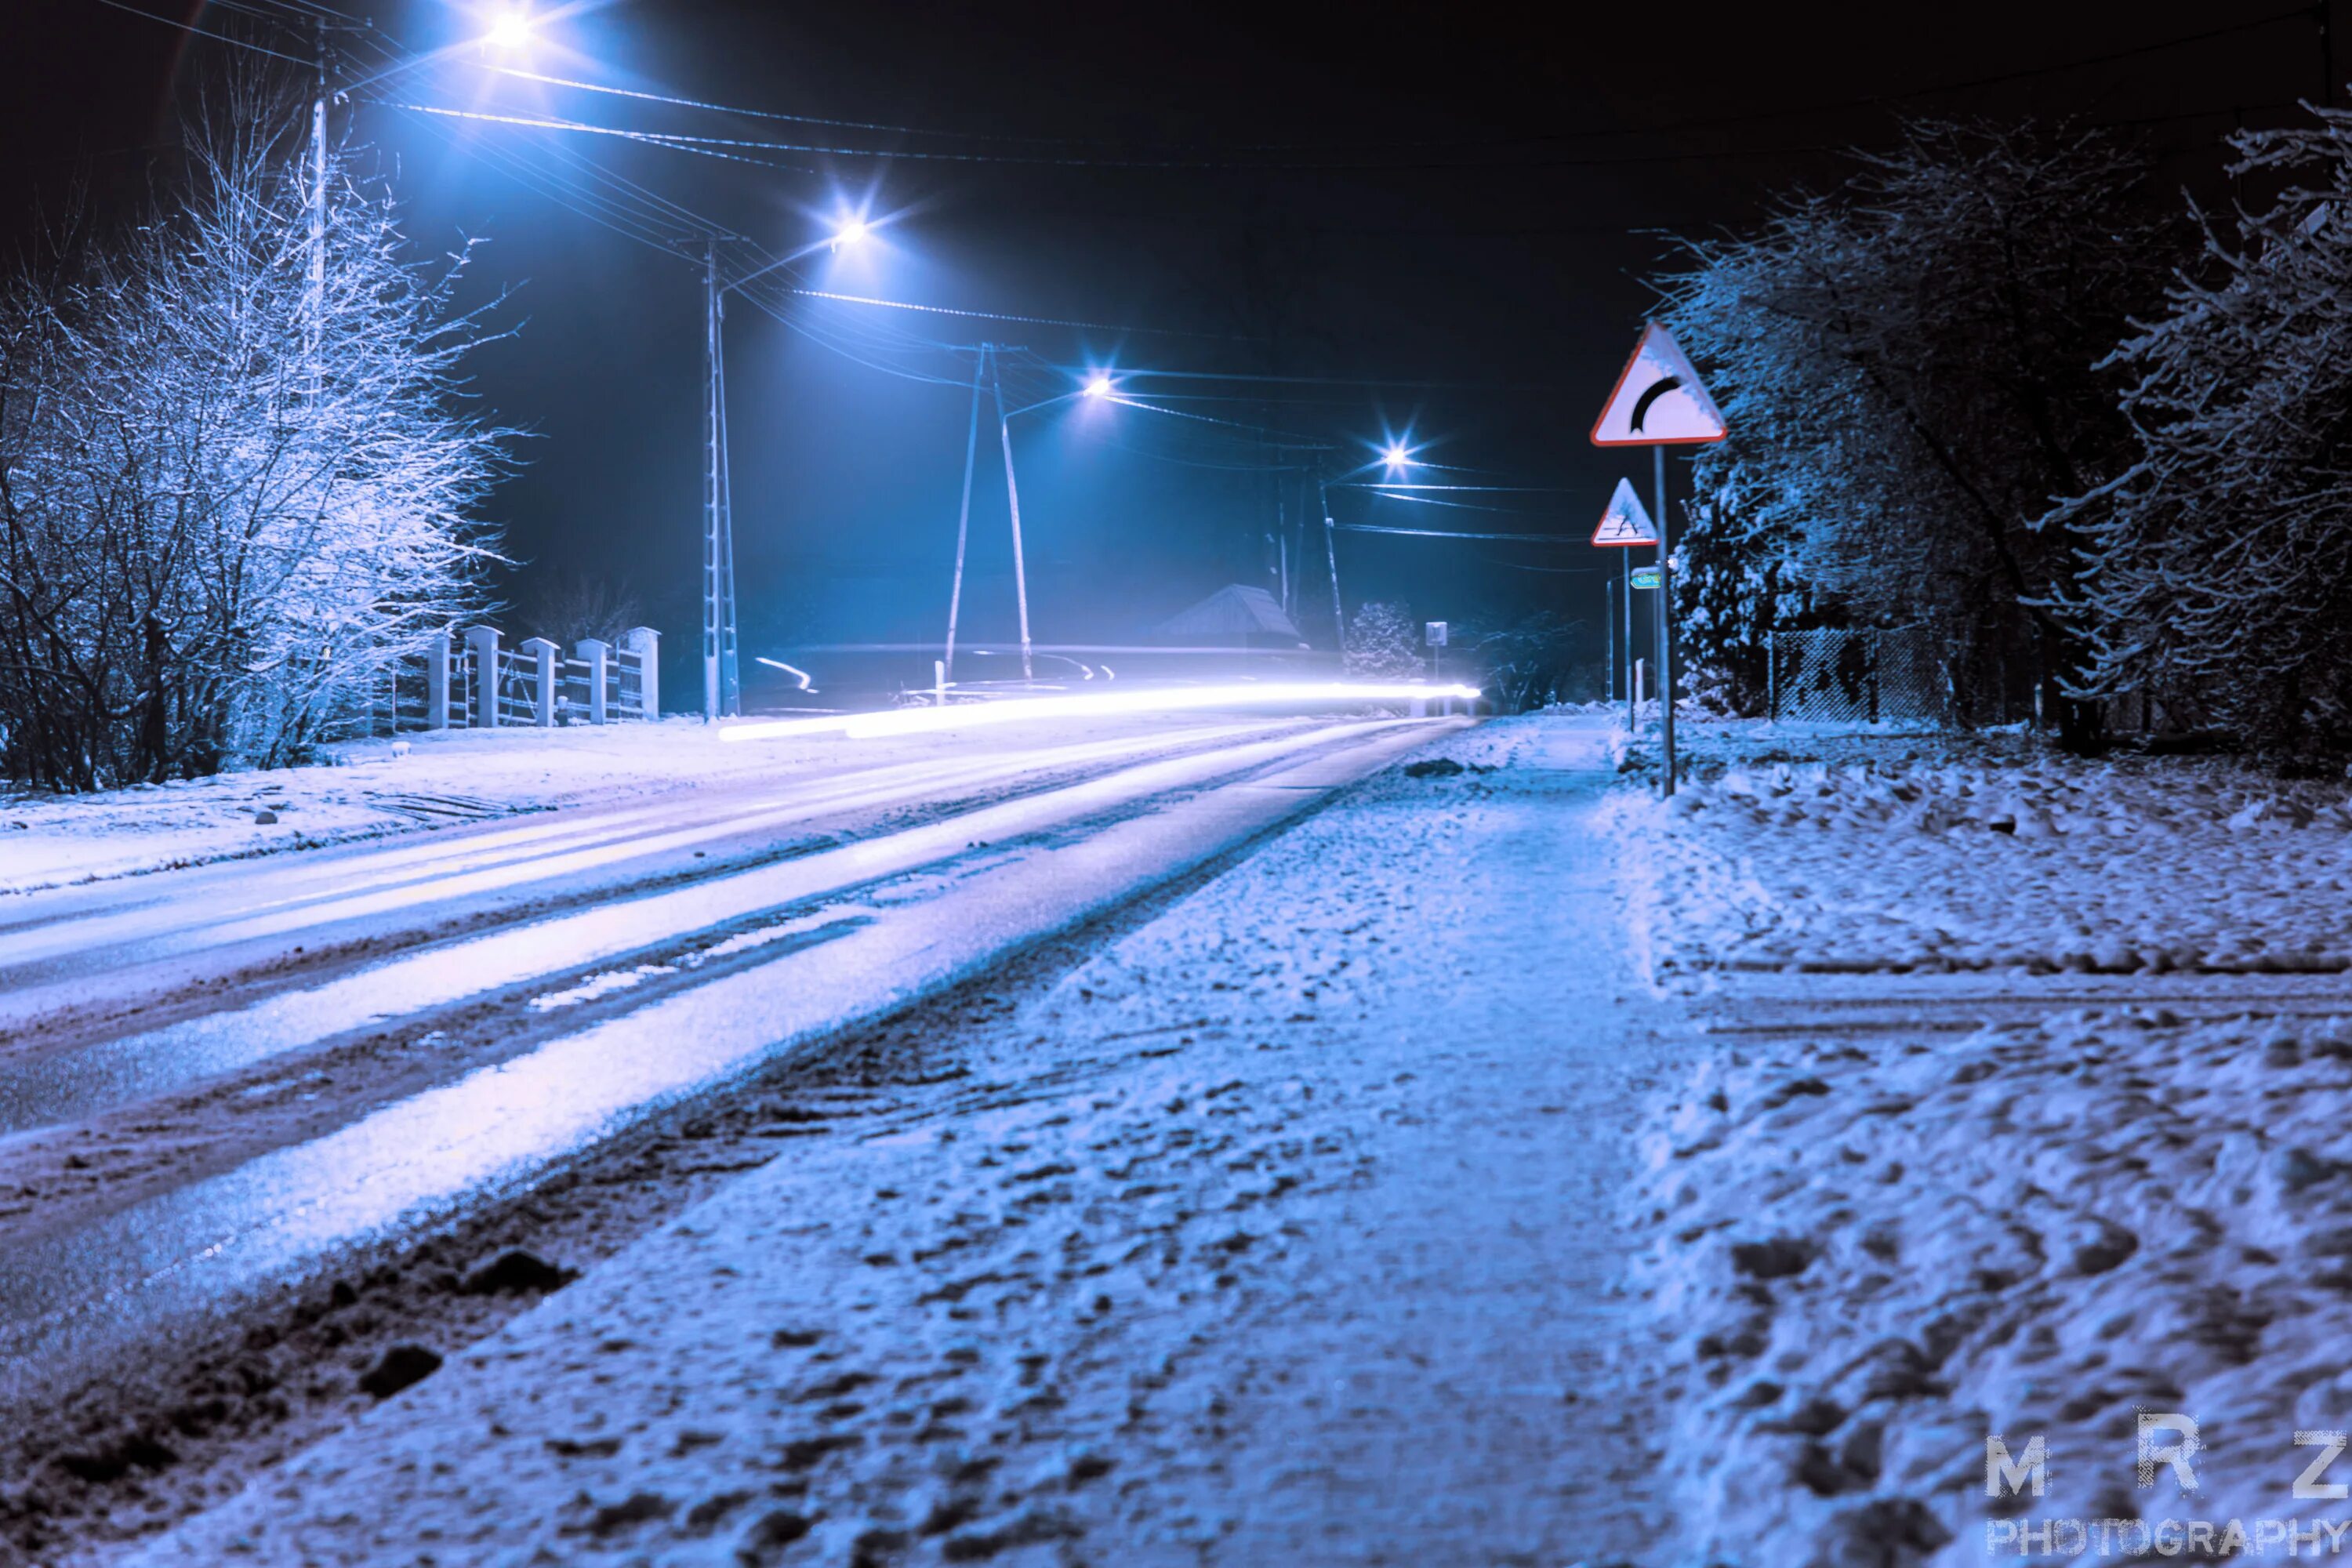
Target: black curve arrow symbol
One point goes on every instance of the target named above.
(1641, 405)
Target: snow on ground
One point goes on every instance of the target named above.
(1910, 853)
(434, 779)
(425, 780)
(1866, 1256)
(1277, 1231)
(1874, 1239)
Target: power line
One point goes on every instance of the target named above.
(208, 33)
(1003, 316)
(1390, 489)
(1177, 158)
(677, 102)
(1452, 533)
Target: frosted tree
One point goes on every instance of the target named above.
(2221, 556)
(1383, 643)
(1907, 363)
(239, 487)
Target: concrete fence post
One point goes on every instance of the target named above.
(598, 657)
(645, 643)
(482, 646)
(543, 655)
(437, 682)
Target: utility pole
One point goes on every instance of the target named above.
(721, 685)
(1331, 557)
(1013, 498)
(1283, 546)
(963, 513)
(318, 212)
(1666, 620)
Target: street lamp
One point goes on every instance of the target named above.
(721, 679)
(509, 29)
(1095, 387)
(1397, 455)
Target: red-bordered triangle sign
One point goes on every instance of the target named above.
(1659, 400)
(1625, 521)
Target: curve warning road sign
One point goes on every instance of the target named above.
(1658, 400)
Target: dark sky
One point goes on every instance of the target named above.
(1433, 218)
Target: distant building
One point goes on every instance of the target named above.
(1233, 617)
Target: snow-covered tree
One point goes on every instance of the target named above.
(1906, 366)
(1522, 662)
(237, 477)
(2221, 573)
(1383, 643)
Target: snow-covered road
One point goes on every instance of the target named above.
(1279, 1230)
(250, 1067)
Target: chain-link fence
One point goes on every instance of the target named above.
(1858, 676)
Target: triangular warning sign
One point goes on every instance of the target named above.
(1625, 521)
(1658, 400)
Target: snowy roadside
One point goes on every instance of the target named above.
(437, 779)
(1872, 1241)
(1901, 854)
(1278, 1230)
(379, 787)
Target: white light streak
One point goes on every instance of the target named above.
(800, 675)
(1095, 704)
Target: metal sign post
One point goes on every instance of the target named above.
(1625, 525)
(1658, 402)
(1626, 606)
(1666, 620)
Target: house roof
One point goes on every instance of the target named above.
(1233, 613)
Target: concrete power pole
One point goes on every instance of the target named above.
(1013, 498)
(319, 211)
(963, 513)
(721, 682)
(1331, 559)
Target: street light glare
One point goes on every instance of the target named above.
(1097, 386)
(1396, 456)
(852, 230)
(509, 29)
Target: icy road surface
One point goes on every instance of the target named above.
(347, 1089)
(1279, 1231)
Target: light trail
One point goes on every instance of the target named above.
(1088, 705)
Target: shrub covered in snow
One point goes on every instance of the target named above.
(1383, 643)
(2223, 554)
(1906, 365)
(239, 480)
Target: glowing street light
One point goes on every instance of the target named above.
(509, 29)
(851, 230)
(1097, 386)
(1396, 456)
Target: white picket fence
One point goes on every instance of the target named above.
(467, 681)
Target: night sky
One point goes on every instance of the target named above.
(1422, 220)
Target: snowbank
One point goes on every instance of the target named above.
(425, 780)
(1871, 1257)
(1917, 860)
(1897, 1216)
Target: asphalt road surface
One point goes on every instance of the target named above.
(212, 1081)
